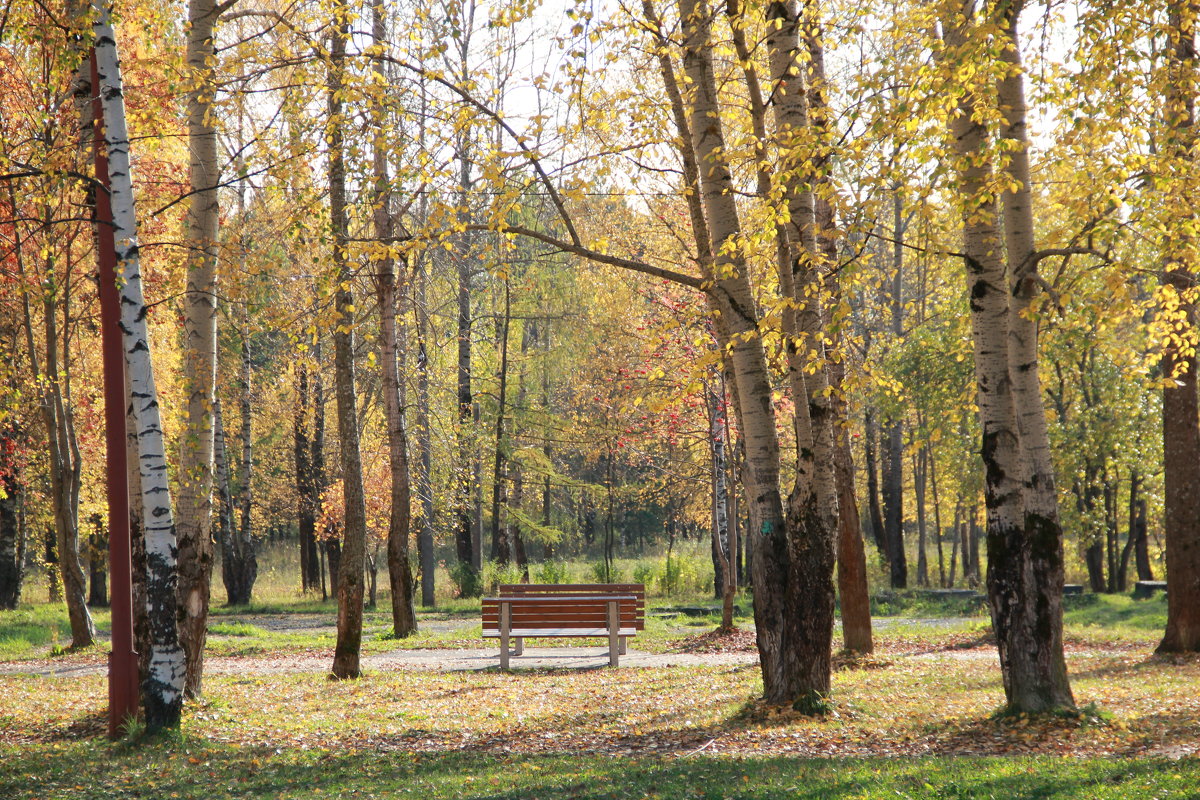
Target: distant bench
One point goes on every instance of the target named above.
(581, 610)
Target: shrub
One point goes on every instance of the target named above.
(598, 575)
(495, 573)
(682, 574)
(554, 571)
(464, 578)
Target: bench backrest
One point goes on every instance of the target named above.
(583, 590)
(561, 613)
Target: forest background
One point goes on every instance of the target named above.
(477, 232)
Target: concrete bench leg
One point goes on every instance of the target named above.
(505, 627)
(520, 648)
(614, 625)
(623, 640)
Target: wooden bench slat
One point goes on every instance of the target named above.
(548, 633)
(578, 610)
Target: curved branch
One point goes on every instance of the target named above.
(578, 249)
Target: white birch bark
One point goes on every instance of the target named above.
(1042, 528)
(200, 348)
(812, 506)
(785, 673)
(164, 683)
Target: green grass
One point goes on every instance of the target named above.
(34, 630)
(200, 770)
(1116, 612)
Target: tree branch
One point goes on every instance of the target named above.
(604, 258)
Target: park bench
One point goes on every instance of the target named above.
(581, 610)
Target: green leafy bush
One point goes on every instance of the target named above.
(495, 573)
(553, 571)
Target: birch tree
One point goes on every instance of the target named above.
(1024, 544)
(199, 360)
(163, 684)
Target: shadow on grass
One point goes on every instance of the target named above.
(194, 769)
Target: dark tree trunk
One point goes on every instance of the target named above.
(302, 451)
(333, 560)
(1141, 550)
(1181, 417)
(466, 479)
(12, 539)
(97, 563)
(937, 516)
(425, 547)
(316, 461)
(919, 484)
(239, 565)
(893, 504)
(973, 536)
(875, 512)
(501, 550)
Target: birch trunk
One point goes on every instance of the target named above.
(1043, 531)
(404, 620)
(1033, 682)
(785, 667)
(1181, 419)
(199, 348)
(164, 684)
(813, 503)
(353, 554)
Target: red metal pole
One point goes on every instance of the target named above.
(122, 662)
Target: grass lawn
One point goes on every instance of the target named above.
(914, 722)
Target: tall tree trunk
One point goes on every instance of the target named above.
(97, 548)
(466, 478)
(878, 530)
(1131, 533)
(12, 534)
(354, 533)
(404, 618)
(65, 574)
(790, 672)
(425, 548)
(239, 568)
(302, 447)
(812, 513)
(726, 580)
(199, 360)
(937, 514)
(163, 686)
(1049, 687)
(893, 503)
(328, 549)
(919, 487)
(500, 545)
(851, 558)
(1181, 418)
(1023, 609)
(224, 516)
